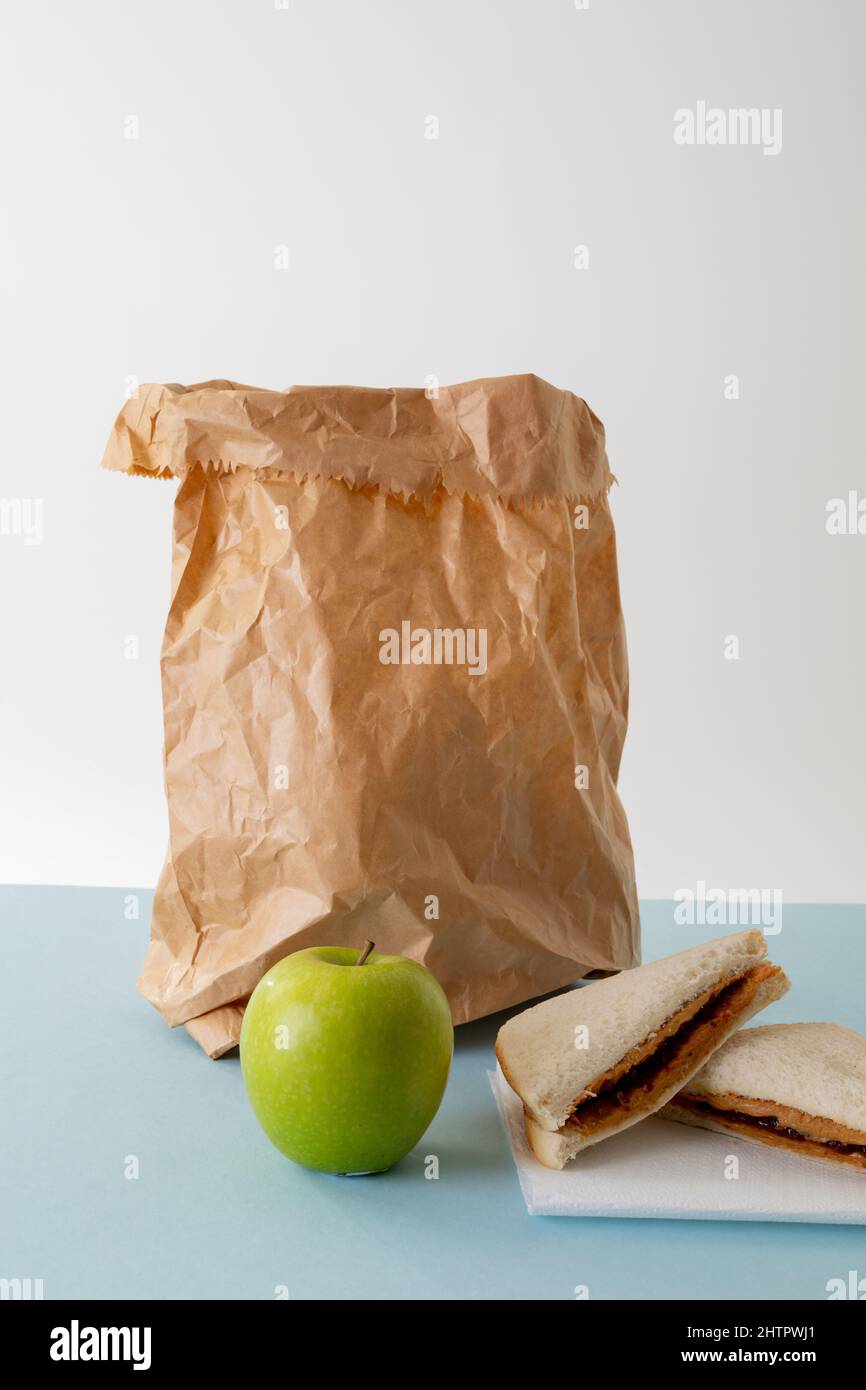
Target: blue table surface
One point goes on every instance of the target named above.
(92, 1076)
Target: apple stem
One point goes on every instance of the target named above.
(364, 954)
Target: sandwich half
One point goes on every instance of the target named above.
(594, 1061)
(794, 1086)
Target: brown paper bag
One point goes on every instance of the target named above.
(395, 688)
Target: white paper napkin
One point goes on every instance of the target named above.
(660, 1169)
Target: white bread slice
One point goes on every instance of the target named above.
(537, 1050)
(556, 1149)
(815, 1070)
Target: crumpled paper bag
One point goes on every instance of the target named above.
(395, 689)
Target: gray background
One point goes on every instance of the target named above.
(305, 127)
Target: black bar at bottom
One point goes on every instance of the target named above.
(62, 1337)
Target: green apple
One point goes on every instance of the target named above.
(345, 1055)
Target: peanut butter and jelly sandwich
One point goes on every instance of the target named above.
(592, 1062)
(794, 1086)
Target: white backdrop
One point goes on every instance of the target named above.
(154, 159)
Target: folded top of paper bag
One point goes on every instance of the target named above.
(513, 436)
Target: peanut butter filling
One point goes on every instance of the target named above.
(674, 1053)
(782, 1126)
